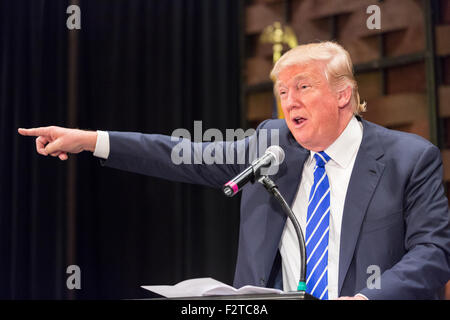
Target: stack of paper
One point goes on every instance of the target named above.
(206, 287)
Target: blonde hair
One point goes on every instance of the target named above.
(338, 67)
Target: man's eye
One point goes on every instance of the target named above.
(304, 86)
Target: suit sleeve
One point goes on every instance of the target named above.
(178, 159)
(425, 268)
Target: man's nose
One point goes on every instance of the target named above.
(293, 100)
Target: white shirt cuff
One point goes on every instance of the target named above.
(102, 145)
(362, 296)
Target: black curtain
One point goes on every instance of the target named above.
(32, 197)
(146, 66)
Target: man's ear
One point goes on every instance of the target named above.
(344, 96)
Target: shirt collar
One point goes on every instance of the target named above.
(344, 148)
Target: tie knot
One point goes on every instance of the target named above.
(321, 159)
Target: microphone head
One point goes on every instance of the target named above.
(278, 154)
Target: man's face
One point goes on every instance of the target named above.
(310, 106)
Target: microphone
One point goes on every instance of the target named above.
(273, 156)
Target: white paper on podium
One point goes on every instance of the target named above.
(206, 287)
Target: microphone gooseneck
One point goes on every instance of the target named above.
(272, 188)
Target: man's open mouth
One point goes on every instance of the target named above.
(298, 121)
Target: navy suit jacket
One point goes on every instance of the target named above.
(395, 217)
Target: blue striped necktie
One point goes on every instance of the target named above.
(317, 231)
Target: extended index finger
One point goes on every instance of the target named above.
(42, 131)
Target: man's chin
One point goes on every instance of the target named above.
(301, 140)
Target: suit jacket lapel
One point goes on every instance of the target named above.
(366, 173)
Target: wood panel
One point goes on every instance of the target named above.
(447, 290)
(446, 163)
(395, 15)
(407, 112)
(396, 109)
(317, 9)
(260, 15)
(369, 85)
(266, 1)
(444, 101)
(262, 50)
(258, 70)
(361, 50)
(406, 41)
(306, 28)
(420, 127)
(444, 11)
(446, 133)
(442, 33)
(408, 78)
(260, 106)
(402, 22)
(446, 70)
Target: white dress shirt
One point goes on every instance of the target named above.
(339, 168)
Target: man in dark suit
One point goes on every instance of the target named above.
(370, 200)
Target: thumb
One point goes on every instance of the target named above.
(53, 146)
